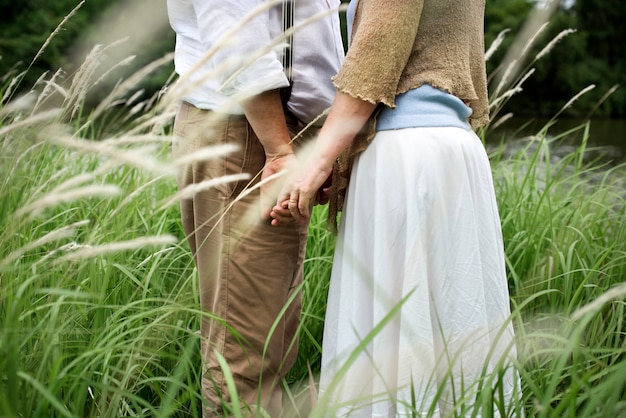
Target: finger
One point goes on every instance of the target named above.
(281, 211)
(282, 220)
(304, 205)
(283, 197)
(282, 216)
(294, 209)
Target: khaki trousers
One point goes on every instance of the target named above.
(248, 270)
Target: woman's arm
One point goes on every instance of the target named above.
(346, 118)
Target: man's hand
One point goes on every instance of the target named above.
(266, 116)
(274, 164)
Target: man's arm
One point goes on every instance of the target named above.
(266, 116)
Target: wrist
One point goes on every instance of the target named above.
(274, 153)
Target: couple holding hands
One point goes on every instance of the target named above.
(418, 285)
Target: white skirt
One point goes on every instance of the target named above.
(418, 297)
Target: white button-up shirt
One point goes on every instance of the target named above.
(221, 60)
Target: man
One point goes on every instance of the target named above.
(229, 59)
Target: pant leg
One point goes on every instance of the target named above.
(247, 269)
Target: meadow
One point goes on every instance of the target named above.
(99, 306)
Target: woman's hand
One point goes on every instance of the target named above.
(346, 118)
(298, 197)
(281, 214)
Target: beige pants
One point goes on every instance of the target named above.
(248, 270)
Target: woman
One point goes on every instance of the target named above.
(418, 277)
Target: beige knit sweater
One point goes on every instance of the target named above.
(399, 45)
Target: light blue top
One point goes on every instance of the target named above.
(422, 107)
(350, 18)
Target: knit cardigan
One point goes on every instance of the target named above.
(399, 45)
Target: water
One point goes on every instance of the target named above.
(607, 137)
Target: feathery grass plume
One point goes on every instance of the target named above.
(38, 206)
(134, 244)
(72, 181)
(616, 292)
(123, 63)
(122, 205)
(41, 78)
(55, 32)
(56, 235)
(74, 97)
(205, 153)
(602, 99)
(193, 189)
(532, 39)
(137, 22)
(29, 121)
(529, 33)
(141, 157)
(134, 139)
(573, 99)
(50, 86)
(76, 180)
(134, 97)
(495, 103)
(156, 254)
(71, 246)
(15, 107)
(525, 77)
(498, 102)
(81, 82)
(154, 122)
(504, 80)
(496, 44)
(7, 94)
(135, 109)
(553, 42)
(501, 120)
(126, 85)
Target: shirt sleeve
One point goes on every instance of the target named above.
(381, 44)
(242, 61)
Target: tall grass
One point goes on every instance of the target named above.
(565, 243)
(99, 306)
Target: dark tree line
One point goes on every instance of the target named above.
(594, 54)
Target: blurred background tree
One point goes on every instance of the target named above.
(26, 25)
(594, 55)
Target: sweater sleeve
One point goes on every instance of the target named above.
(382, 40)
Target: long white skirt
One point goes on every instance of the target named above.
(418, 308)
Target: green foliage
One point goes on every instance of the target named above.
(565, 247)
(115, 333)
(99, 304)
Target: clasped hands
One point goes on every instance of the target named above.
(307, 184)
